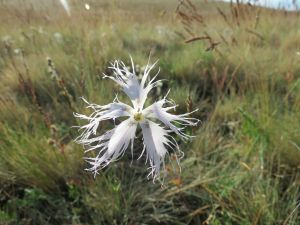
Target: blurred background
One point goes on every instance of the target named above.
(276, 4)
(239, 64)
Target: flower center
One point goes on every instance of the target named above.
(138, 116)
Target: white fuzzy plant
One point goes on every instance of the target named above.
(112, 144)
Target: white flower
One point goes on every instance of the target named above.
(66, 6)
(111, 145)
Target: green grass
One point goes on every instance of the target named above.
(243, 165)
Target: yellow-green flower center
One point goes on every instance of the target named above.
(138, 116)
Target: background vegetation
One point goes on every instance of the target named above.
(239, 64)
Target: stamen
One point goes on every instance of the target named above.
(138, 116)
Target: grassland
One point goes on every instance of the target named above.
(243, 74)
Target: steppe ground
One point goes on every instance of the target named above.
(238, 64)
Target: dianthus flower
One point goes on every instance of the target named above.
(111, 145)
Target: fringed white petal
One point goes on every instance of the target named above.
(148, 84)
(127, 80)
(158, 111)
(136, 91)
(112, 145)
(110, 111)
(156, 141)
